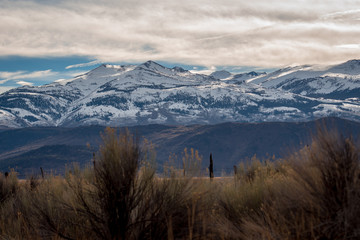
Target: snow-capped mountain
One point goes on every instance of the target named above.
(151, 93)
(333, 82)
(236, 78)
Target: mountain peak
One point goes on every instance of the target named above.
(108, 69)
(156, 67)
(151, 65)
(179, 69)
(102, 66)
(351, 67)
(255, 74)
(221, 74)
(353, 61)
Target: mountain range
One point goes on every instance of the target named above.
(149, 93)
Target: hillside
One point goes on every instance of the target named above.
(28, 149)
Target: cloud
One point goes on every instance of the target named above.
(38, 75)
(6, 76)
(35, 74)
(352, 15)
(206, 71)
(349, 46)
(24, 83)
(83, 64)
(203, 32)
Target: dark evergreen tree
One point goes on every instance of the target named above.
(211, 167)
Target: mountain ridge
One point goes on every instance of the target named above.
(125, 95)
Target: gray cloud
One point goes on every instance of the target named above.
(257, 33)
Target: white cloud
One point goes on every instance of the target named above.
(348, 15)
(6, 76)
(349, 46)
(61, 80)
(83, 64)
(203, 32)
(38, 75)
(24, 83)
(35, 74)
(206, 71)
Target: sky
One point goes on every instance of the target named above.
(42, 41)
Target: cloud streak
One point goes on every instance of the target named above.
(80, 65)
(20, 75)
(209, 33)
(24, 83)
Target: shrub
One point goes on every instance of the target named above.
(245, 196)
(9, 189)
(124, 199)
(320, 197)
(8, 186)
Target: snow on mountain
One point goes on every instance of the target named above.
(236, 78)
(151, 93)
(242, 77)
(351, 67)
(335, 82)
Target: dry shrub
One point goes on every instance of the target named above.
(115, 200)
(44, 211)
(8, 186)
(245, 196)
(9, 189)
(37, 213)
(124, 199)
(191, 198)
(118, 197)
(319, 198)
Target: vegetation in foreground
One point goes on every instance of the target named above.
(314, 194)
